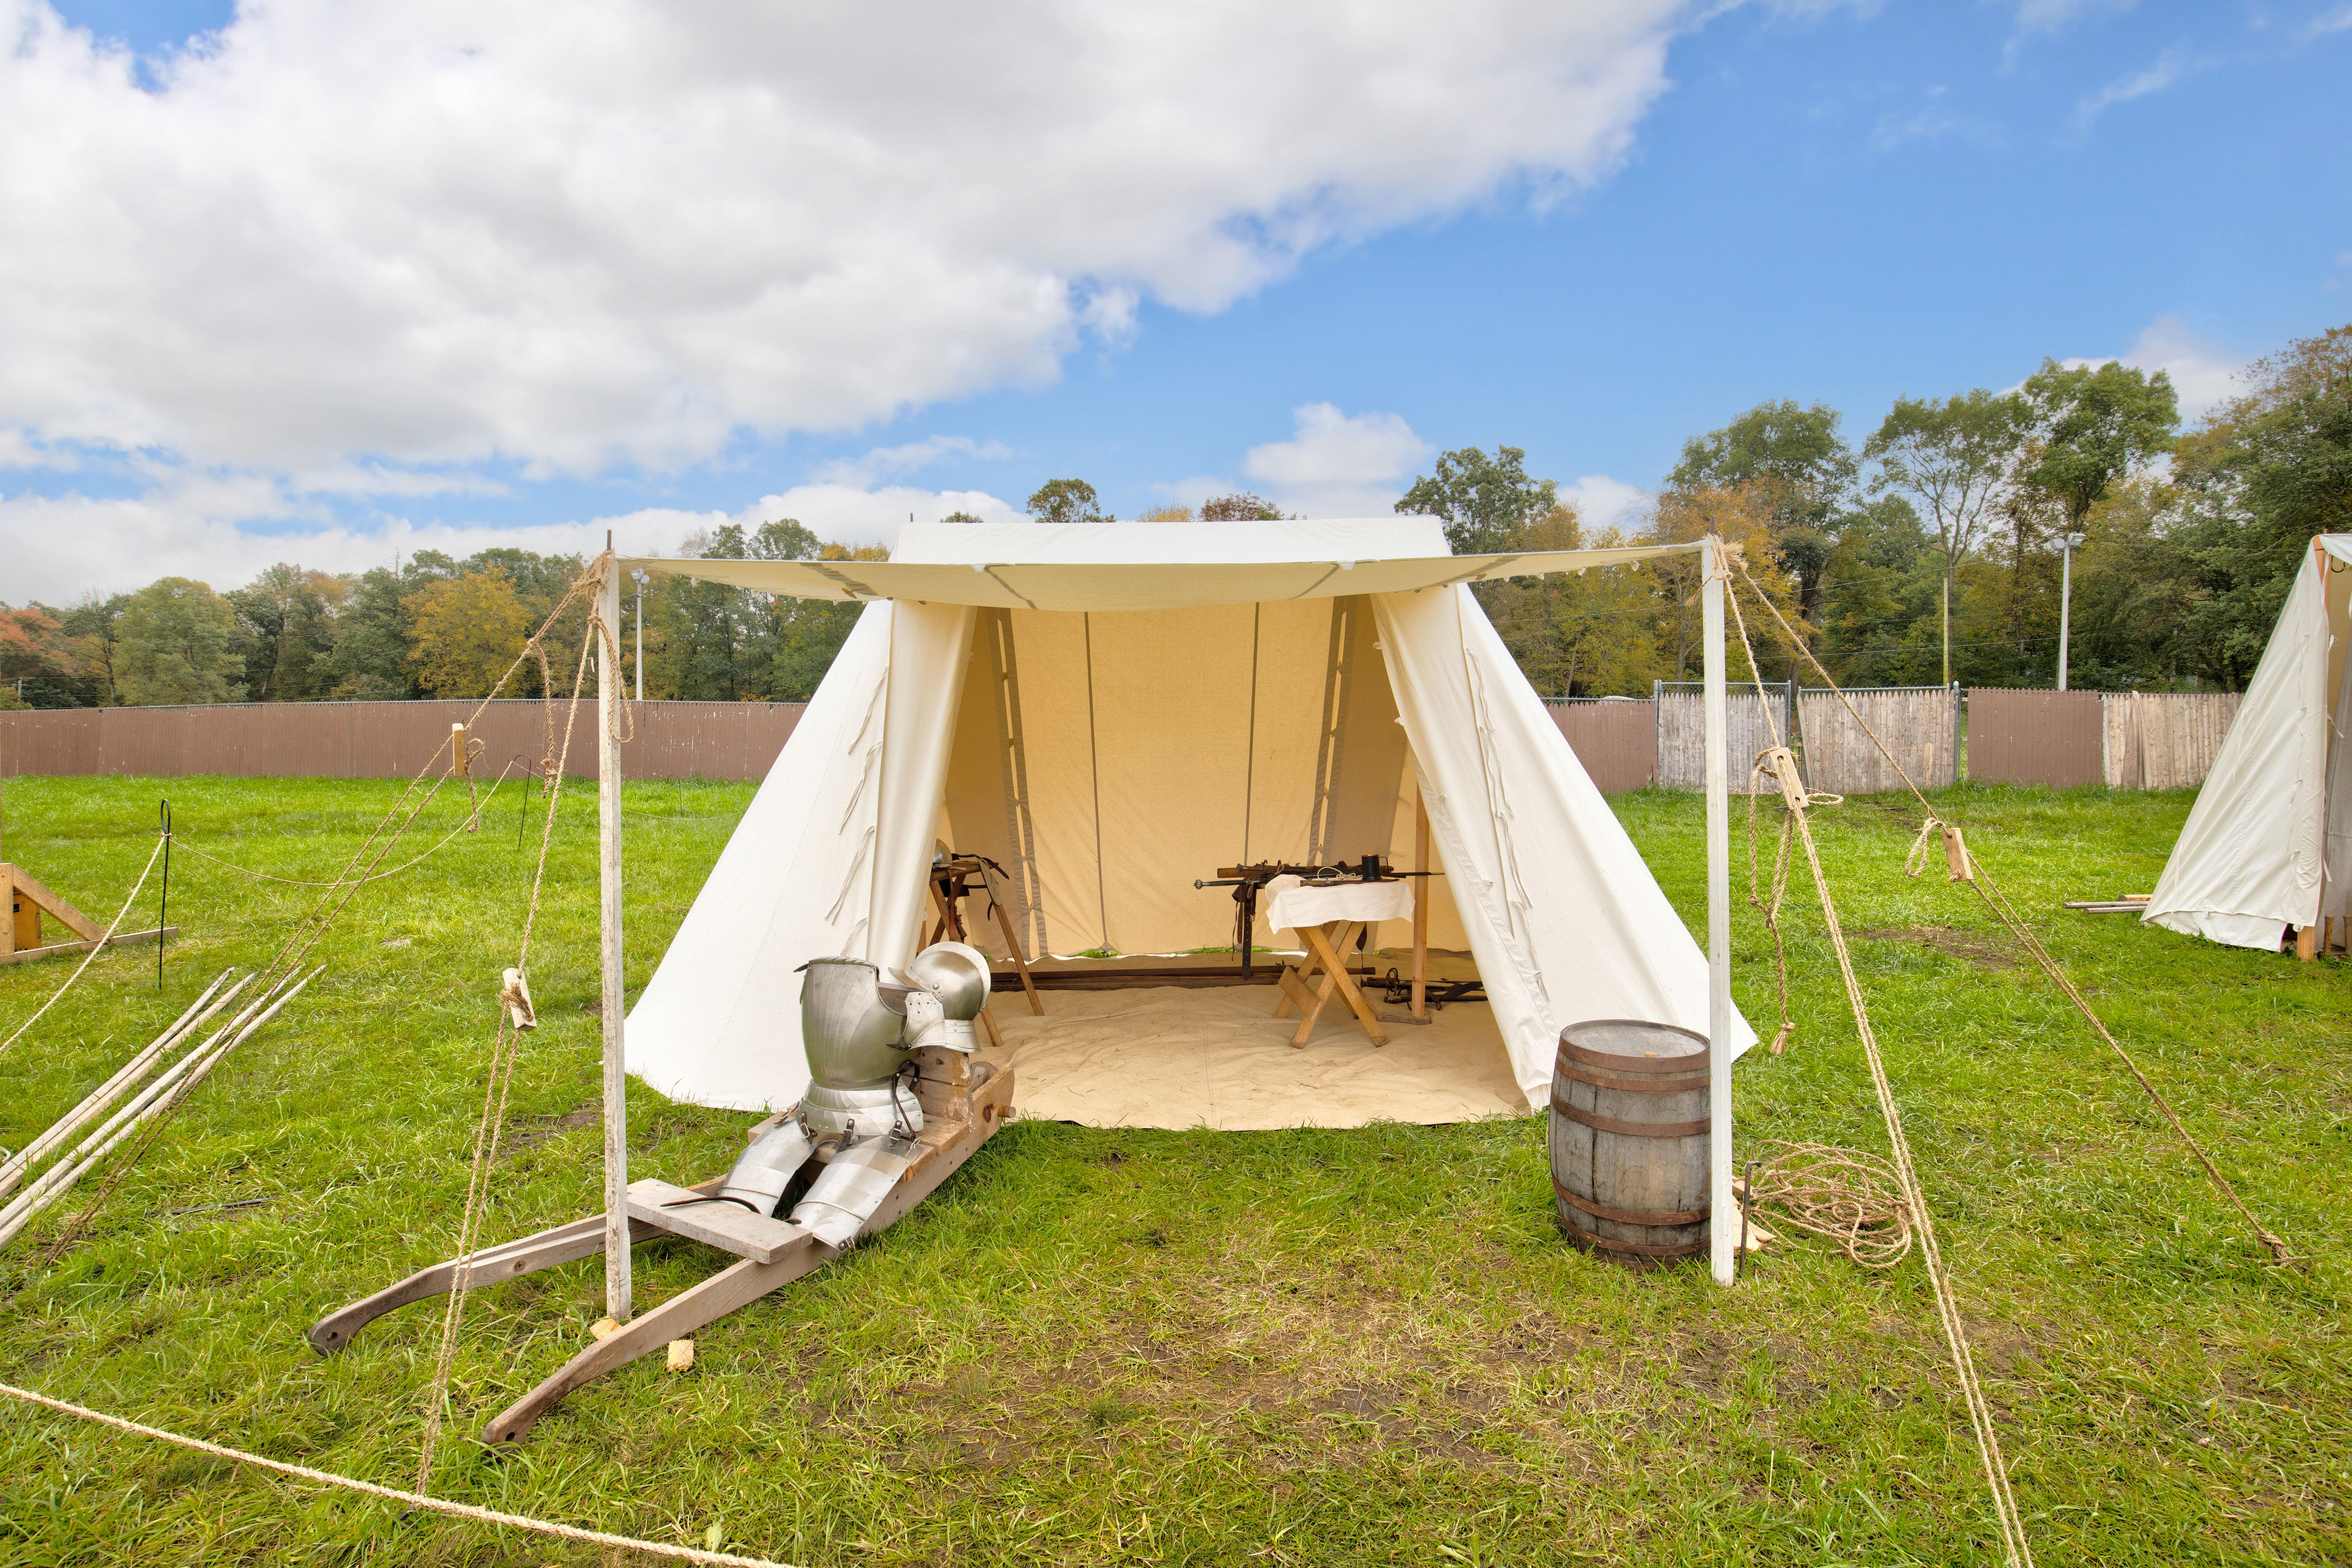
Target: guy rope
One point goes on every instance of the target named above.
(513, 1007)
(1780, 766)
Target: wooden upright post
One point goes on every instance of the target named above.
(1723, 1234)
(608, 844)
(1420, 902)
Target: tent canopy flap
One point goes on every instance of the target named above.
(1094, 566)
(1108, 753)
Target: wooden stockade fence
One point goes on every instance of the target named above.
(1681, 732)
(381, 740)
(2033, 737)
(2163, 740)
(1920, 724)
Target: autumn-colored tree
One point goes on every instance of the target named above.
(1745, 517)
(1165, 514)
(40, 666)
(465, 631)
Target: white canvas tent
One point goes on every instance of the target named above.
(1112, 712)
(2269, 843)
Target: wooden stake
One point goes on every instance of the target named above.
(608, 859)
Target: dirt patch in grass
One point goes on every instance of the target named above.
(1980, 951)
(531, 1131)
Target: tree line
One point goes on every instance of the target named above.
(1931, 553)
(1936, 550)
(431, 626)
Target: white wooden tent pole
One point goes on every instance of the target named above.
(608, 846)
(1723, 1232)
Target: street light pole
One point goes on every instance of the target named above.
(640, 575)
(2071, 543)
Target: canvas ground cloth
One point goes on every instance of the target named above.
(1219, 1058)
(2272, 822)
(1110, 759)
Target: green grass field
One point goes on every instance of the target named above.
(1098, 1347)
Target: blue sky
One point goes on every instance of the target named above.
(1832, 203)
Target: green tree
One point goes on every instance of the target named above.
(2260, 477)
(1485, 504)
(180, 642)
(960, 516)
(1955, 458)
(96, 627)
(1809, 472)
(369, 660)
(1067, 501)
(1242, 506)
(288, 615)
(2093, 424)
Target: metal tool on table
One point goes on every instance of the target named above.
(1248, 881)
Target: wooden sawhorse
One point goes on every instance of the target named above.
(1326, 944)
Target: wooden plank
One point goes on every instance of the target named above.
(81, 925)
(124, 938)
(729, 1226)
(747, 1281)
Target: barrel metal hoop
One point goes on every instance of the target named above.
(1696, 1082)
(1629, 1129)
(1630, 1217)
(1640, 1248)
(1609, 1061)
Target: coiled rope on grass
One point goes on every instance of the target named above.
(1842, 1196)
(393, 1494)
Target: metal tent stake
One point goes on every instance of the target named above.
(1722, 1241)
(608, 846)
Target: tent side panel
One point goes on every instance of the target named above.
(1565, 920)
(2247, 864)
(718, 1024)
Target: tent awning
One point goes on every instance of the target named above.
(1129, 585)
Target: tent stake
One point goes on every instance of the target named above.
(608, 854)
(1722, 1241)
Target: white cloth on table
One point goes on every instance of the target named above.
(1292, 904)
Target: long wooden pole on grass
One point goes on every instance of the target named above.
(608, 856)
(1722, 1236)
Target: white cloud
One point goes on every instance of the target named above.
(1338, 464)
(2203, 374)
(1603, 502)
(2334, 21)
(224, 530)
(2052, 16)
(2168, 69)
(441, 234)
(882, 461)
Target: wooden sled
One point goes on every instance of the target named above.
(28, 900)
(964, 1105)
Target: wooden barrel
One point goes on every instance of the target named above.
(1629, 1139)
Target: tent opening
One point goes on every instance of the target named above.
(1107, 761)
